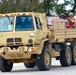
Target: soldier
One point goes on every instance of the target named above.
(71, 20)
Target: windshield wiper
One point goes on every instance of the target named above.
(9, 19)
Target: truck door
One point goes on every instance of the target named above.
(39, 31)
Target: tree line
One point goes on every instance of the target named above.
(48, 6)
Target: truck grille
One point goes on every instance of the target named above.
(18, 40)
(10, 40)
(14, 41)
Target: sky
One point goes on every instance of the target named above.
(61, 1)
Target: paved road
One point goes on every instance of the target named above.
(56, 69)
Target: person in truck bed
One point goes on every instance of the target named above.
(64, 16)
(71, 19)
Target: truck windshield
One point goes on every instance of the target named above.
(6, 23)
(24, 23)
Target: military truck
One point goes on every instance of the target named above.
(25, 37)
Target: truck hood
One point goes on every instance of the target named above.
(17, 38)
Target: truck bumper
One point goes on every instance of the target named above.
(22, 52)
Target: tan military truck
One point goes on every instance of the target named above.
(25, 37)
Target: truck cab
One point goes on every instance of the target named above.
(22, 37)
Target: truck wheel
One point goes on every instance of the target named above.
(44, 63)
(66, 56)
(73, 50)
(29, 65)
(4, 65)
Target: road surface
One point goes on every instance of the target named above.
(56, 69)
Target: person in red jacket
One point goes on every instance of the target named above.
(71, 20)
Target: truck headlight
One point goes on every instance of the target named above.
(0, 51)
(29, 50)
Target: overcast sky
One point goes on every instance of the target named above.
(61, 1)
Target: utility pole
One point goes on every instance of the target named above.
(48, 5)
(45, 9)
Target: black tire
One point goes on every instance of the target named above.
(41, 63)
(29, 65)
(66, 56)
(4, 65)
(73, 50)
